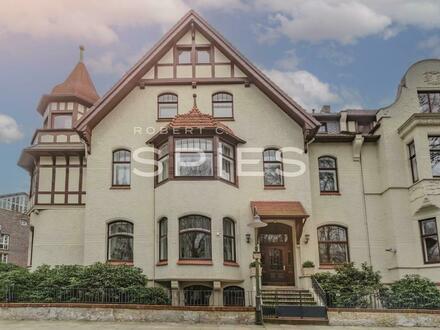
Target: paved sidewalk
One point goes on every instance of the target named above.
(87, 325)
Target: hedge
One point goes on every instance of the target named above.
(97, 283)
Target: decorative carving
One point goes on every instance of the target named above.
(432, 78)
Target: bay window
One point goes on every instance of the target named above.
(429, 101)
(61, 121)
(434, 152)
(227, 162)
(120, 241)
(195, 237)
(413, 161)
(163, 160)
(193, 157)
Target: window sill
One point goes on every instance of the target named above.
(162, 263)
(119, 262)
(195, 262)
(330, 193)
(328, 266)
(164, 119)
(274, 188)
(120, 187)
(231, 264)
(224, 118)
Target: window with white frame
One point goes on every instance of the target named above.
(4, 242)
(194, 157)
(4, 258)
(227, 162)
(163, 161)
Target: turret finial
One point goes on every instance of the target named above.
(81, 53)
(195, 101)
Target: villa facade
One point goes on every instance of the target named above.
(332, 187)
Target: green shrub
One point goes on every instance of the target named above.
(308, 264)
(97, 283)
(349, 286)
(8, 267)
(412, 291)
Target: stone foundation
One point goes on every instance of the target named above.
(384, 318)
(87, 312)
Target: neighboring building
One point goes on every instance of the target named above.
(358, 200)
(14, 237)
(15, 202)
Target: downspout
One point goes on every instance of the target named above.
(357, 156)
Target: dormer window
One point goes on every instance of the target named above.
(329, 127)
(429, 101)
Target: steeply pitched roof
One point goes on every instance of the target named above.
(78, 85)
(132, 77)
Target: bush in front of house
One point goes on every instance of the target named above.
(412, 291)
(349, 286)
(97, 283)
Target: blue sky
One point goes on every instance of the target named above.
(346, 53)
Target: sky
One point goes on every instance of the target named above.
(344, 53)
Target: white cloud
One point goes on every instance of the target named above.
(9, 131)
(290, 61)
(304, 87)
(84, 20)
(335, 55)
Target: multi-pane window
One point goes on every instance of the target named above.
(429, 101)
(203, 55)
(430, 244)
(363, 127)
(194, 237)
(233, 296)
(61, 121)
(163, 160)
(193, 157)
(184, 55)
(413, 161)
(120, 241)
(329, 127)
(273, 167)
(222, 105)
(229, 240)
(167, 105)
(332, 245)
(4, 242)
(4, 258)
(227, 162)
(328, 176)
(121, 168)
(163, 239)
(434, 151)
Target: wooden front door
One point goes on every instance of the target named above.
(276, 254)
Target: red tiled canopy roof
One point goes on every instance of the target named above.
(278, 209)
(197, 120)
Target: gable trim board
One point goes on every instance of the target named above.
(134, 77)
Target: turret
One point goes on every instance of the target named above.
(70, 100)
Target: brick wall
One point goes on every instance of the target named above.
(16, 225)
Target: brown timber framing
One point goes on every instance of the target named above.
(66, 192)
(129, 81)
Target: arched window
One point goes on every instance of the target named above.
(163, 239)
(121, 168)
(166, 106)
(229, 240)
(328, 174)
(273, 167)
(197, 295)
(333, 245)
(233, 296)
(195, 237)
(120, 241)
(222, 105)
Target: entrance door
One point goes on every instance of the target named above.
(276, 254)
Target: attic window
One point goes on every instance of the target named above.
(203, 56)
(184, 55)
